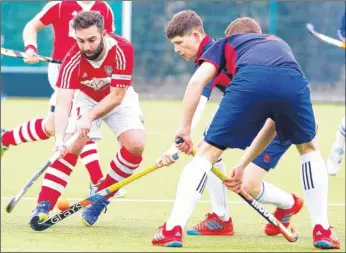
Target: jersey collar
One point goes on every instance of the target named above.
(204, 42)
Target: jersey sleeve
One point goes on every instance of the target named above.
(50, 13)
(342, 28)
(69, 71)
(109, 20)
(215, 55)
(122, 74)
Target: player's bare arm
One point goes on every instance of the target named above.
(204, 74)
(61, 114)
(30, 39)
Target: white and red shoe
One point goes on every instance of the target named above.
(165, 238)
(324, 238)
(212, 225)
(284, 216)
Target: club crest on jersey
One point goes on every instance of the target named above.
(109, 70)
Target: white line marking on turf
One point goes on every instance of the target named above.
(154, 200)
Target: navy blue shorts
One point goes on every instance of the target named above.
(270, 157)
(255, 94)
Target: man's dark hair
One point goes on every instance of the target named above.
(86, 19)
(183, 23)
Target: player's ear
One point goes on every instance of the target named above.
(196, 36)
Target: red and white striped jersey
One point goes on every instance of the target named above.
(61, 13)
(95, 78)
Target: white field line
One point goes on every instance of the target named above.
(153, 200)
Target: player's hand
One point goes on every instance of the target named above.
(84, 125)
(33, 58)
(168, 158)
(187, 146)
(61, 148)
(235, 179)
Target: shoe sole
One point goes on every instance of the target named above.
(325, 245)
(174, 244)
(195, 232)
(121, 194)
(86, 223)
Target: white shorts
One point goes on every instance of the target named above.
(126, 116)
(53, 73)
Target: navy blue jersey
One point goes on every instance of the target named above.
(231, 53)
(222, 80)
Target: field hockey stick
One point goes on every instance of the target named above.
(18, 54)
(37, 174)
(40, 226)
(291, 236)
(325, 38)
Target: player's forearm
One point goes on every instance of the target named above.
(199, 111)
(30, 32)
(61, 116)
(62, 112)
(190, 103)
(262, 140)
(107, 104)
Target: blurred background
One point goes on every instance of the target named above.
(159, 73)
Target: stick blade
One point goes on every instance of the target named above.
(11, 205)
(310, 27)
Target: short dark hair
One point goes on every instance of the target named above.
(243, 25)
(182, 23)
(86, 19)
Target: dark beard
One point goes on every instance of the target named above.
(97, 52)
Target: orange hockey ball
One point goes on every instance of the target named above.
(63, 204)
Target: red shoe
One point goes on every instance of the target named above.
(172, 238)
(284, 216)
(212, 225)
(324, 239)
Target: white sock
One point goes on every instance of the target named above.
(338, 148)
(314, 181)
(218, 193)
(270, 194)
(190, 188)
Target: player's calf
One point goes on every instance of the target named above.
(3, 147)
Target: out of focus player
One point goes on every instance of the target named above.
(99, 67)
(338, 148)
(59, 14)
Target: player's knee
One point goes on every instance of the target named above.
(307, 147)
(252, 187)
(49, 125)
(136, 146)
(78, 145)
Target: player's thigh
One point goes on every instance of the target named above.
(127, 125)
(81, 105)
(53, 73)
(269, 158)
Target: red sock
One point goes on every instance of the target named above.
(56, 178)
(91, 160)
(122, 166)
(32, 130)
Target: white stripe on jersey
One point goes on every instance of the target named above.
(122, 59)
(67, 72)
(112, 14)
(46, 8)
